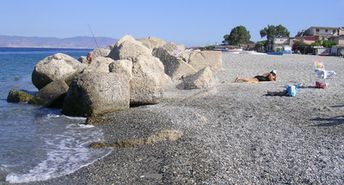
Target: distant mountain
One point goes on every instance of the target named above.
(52, 42)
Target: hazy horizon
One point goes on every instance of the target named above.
(187, 22)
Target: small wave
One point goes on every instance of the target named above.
(85, 126)
(53, 116)
(74, 118)
(43, 172)
(67, 153)
(80, 126)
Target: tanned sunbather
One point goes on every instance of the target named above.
(259, 78)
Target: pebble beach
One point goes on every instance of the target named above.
(232, 133)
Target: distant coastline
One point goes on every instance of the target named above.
(79, 42)
(2, 49)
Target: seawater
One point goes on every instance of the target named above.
(38, 143)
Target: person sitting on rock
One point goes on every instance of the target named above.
(271, 76)
(89, 57)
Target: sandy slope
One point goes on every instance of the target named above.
(233, 133)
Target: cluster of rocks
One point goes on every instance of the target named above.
(130, 73)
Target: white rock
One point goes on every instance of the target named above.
(98, 52)
(55, 67)
(202, 59)
(202, 79)
(129, 49)
(124, 67)
(93, 94)
(153, 42)
(99, 64)
(148, 81)
(174, 66)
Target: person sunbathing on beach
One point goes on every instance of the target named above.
(271, 76)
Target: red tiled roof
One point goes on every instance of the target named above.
(310, 38)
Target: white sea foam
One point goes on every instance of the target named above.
(79, 126)
(85, 126)
(53, 116)
(74, 118)
(66, 153)
(55, 166)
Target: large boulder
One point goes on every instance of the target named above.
(99, 64)
(174, 49)
(17, 96)
(202, 79)
(98, 52)
(148, 81)
(52, 95)
(124, 67)
(174, 66)
(185, 55)
(202, 59)
(55, 67)
(153, 42)
(93, 94)
(129, 49)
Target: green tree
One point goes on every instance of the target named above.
(325, 43)
(261, 45)
(271, 32)
(328, 44)
(317, 43)
(238, 35)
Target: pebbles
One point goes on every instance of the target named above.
(234, 135)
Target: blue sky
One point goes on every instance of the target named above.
(192, 22)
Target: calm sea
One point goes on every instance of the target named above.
(37, 143)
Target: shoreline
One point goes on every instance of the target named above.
(232, 133)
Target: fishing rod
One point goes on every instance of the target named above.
(94, 38)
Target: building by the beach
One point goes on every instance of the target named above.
(320, 33)
(282, 44)
(315, 33)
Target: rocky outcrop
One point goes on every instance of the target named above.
(153, 42)
(179, 62)
(52, 95)
(201, 59)
(174, 49)
(148, 77)
(148, 81)
(55, 67)
(122, 67)
(174, 66)
(131, 73)
(202, 79)
(129, 49)
(93, 94)
(17, 96)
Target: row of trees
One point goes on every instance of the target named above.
(240, 35)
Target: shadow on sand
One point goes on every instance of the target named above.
(326, 122)
(337, 106)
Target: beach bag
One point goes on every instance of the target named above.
(320, 85)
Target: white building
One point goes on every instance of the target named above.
(280, 43)
(324, 32)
